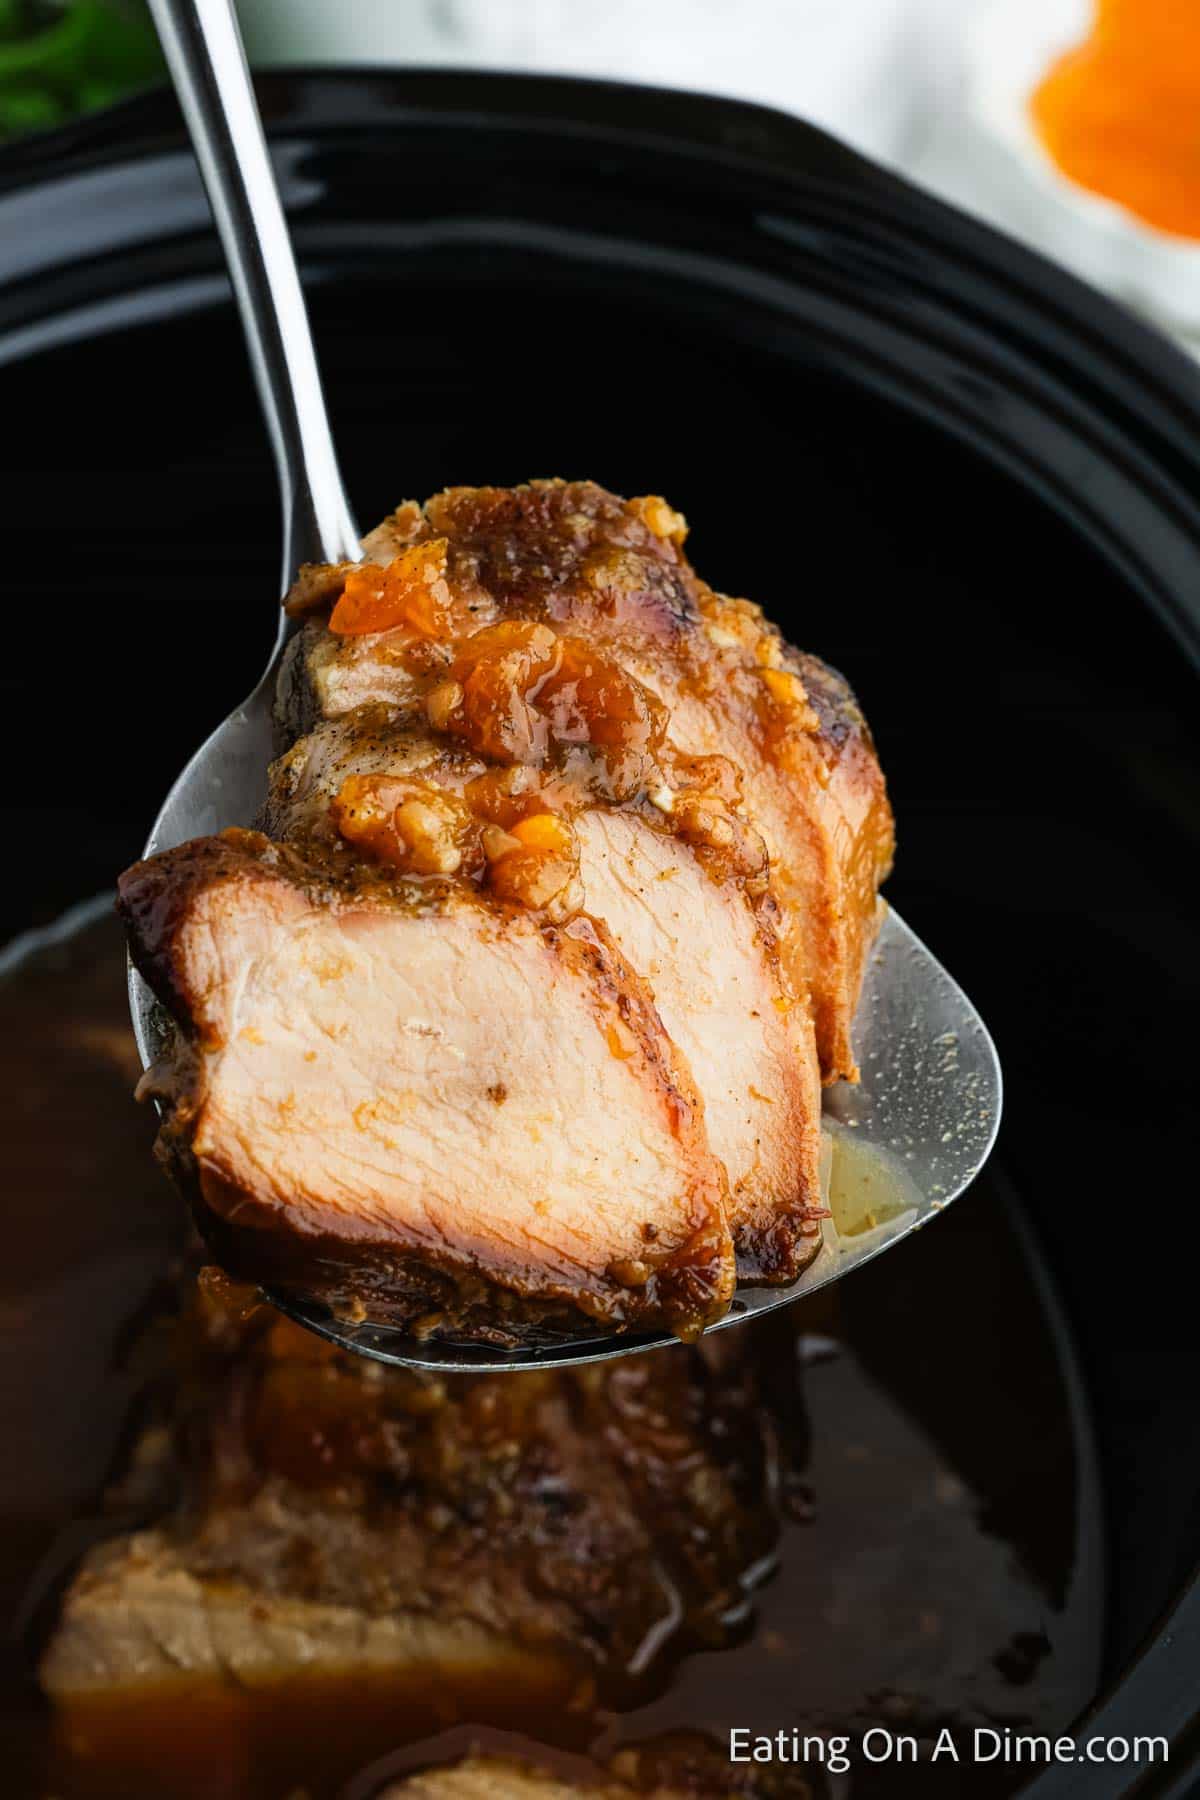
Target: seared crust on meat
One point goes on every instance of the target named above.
(525, 722)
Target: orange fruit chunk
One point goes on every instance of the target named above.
(411, 592)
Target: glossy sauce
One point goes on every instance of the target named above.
(939, 1554)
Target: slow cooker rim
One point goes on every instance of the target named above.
(1018, 357)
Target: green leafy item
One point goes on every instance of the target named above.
(58, 61)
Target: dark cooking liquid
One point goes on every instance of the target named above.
(939, 1562)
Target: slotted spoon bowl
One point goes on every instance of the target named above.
(928, 1106)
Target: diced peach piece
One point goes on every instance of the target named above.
(411, 592)
(421, 829)
(662, 518)
(543, 831)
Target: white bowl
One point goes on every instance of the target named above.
(998, 167)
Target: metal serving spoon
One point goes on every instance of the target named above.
(921, 1124)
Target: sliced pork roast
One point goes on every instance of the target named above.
(520, 1009)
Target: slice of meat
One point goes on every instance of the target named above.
(137, 1618)
(374, 740)
(324, 677)
(708, 954)
(414, 1098)
(718, 987)
(816, 794)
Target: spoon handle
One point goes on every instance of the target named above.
(204, 53)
